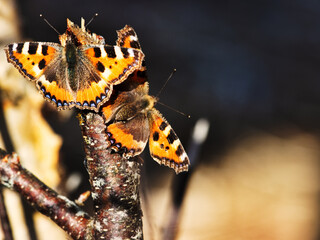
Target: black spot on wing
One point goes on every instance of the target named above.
(10, 48)
(97, 52)
(179, 150)
(171, 137)
(44, 50)
(19, 47)
(110, 51)
(33, 48)
(125, 52)
(163, 126)
(100, 66)
(135, 44)
(42, 64)
(155, 136)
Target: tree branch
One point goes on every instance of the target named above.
(61, 210)
(114, 181)
(115, 184)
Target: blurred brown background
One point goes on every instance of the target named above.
(252, 69)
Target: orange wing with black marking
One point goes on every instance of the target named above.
(128, 38)
(130, 137)
(32, 58)
(113, 63)
(165, 147)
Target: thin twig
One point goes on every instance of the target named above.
(7, 231)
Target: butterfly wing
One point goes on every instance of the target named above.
(40, 61)
(113, 63)
(101, 68)
(128, 38)
(135, 85)
(129, 137)
(32, 58)
(165, 146)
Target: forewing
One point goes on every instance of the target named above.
(128, 38)
(113, 63)
(41, 61)
(32, 58)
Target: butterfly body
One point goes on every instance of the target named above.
(80, 71)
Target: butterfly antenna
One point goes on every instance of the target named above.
(164, 85)
(175, 110)
(93, 17)
(44, 19)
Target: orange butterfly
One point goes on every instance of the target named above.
(80, 71)
(132, 119)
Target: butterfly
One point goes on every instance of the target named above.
(79, 72)
(132, 120)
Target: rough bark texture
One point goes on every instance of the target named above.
(115, 184)
(61, 210)
(114, 181)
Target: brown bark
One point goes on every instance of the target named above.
(115, 184)
(61, 210)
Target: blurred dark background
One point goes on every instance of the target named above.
(244, 65)
(241, 64)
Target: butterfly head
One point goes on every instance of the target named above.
(79, 35)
